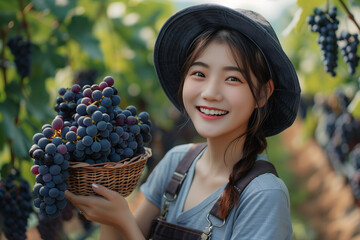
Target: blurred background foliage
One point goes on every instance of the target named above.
(76, 42)
(82, 41)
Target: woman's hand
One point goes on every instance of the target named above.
(109, 208)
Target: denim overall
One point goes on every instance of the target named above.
(162, 230)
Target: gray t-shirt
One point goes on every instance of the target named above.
(262, 213)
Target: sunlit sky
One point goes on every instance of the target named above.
(270, 9)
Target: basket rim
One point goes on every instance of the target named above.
(111, 165)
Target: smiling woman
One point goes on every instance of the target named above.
(226, 70)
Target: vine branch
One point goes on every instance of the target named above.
(22, 13)
(3, 67)
(349, 14)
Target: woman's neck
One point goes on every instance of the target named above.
(213, 157)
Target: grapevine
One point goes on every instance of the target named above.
(338, 128)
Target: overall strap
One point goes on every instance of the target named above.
(179, 175)
(260, 167)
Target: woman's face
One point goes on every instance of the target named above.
(216, 95)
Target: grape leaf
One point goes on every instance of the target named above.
(5, 169)
(13, 132)
(59, 8)
(6, 17)
(80, 29)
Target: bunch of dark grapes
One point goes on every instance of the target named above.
(326, 24)
(16, 205)
(349, 50)
(66, 102)
(51, 162)
(52, 229)
(90, 127)
(106, 132)
(354, 178)
(337, 131)
(21, 50)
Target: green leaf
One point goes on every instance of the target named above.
(59, 8)
(354, 106)
(6, 17)
(14, 133)
(46, 61)
(12, 6)
(13, 92)
(5, 169)
(80, 29)
(9, 108)
(37, 103)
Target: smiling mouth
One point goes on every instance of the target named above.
(212, 112)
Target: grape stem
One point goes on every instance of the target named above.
(24, 10)
(349, 14)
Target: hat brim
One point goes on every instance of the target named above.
(183, 27)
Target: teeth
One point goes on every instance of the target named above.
(212, 112)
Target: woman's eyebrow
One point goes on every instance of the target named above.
(201, 64)
(226, 68)
(233, 68)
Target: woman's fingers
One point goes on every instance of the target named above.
(103, 191)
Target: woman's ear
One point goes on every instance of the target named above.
(266, 92)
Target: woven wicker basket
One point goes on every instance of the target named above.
(121, 177)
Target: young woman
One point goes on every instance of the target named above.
(226, 70)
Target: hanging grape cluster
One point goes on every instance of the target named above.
(326, 24)
(89, 127)
(348, 49)
(16, 206)
(52, 229)
(21, 50)
(338, 133)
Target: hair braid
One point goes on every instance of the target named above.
(254, 145)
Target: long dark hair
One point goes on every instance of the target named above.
(252, 62)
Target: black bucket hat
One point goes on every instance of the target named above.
(183, 27)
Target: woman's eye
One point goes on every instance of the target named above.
(234, 79)
(198, 74)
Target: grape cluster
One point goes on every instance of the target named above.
(354, 159)
(326, 24)
(51, 162)
(90, 127)
(22, 52)
(349, 50)
(66, 103)
(338, 133)
(16, 206)
(52, 229)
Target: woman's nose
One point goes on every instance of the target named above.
(211, 91)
